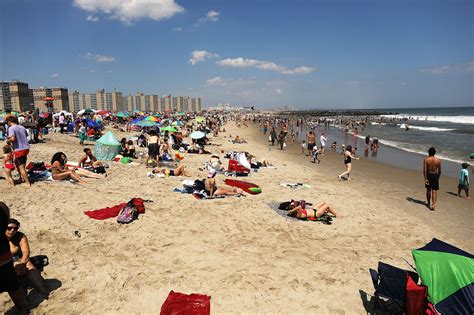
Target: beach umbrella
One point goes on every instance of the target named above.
(146, 123)
(197, 135)
(48, 99)
(169, 129)
(200, 119)
(136, 121)
(122, 114)
(447, 271)
(152, 118)
(157, 115)
(86, 111)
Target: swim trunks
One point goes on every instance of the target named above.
(21, 156)
(433, 182)
(310, 146)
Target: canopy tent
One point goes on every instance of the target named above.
(146, 123)
(447, 271)
(107, 147)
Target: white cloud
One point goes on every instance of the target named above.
(441, 69)
(100, 58)
(55, 75)
(92, 18)
(201, 55)
(128, 11)
(263, 65)
(211, 16)
(230, 83)
(278, 91)
(178, 29)
(91, 70)
(216, 81)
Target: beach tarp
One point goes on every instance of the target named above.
(107, 147)
(447, 271)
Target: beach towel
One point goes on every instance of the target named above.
(181, 304)
(112, 212)
(325, 218)
(250, 188)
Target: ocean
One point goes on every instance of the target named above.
(449, 130)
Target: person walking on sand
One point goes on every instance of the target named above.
(348, 156)
(311, 142)
(323, 140)
(464, 180)
(18, 138)
(431, 172)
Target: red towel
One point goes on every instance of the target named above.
(183, 304)
(112, 212)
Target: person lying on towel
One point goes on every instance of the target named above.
(304, 211)
(178, 171)
(212, 190)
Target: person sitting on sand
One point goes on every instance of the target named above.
(216, 164)
(305, 211)
(20, 251)
(212, 190)
(178, 171)
(238, 139)
(131, 149)
(61, 171)
(123, 147)
(165, 153)
(88, 160)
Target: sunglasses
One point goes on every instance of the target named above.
(11, 228)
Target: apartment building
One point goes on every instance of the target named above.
(100, 100)
(59, 95)
(15, 95)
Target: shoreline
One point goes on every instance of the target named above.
(239, 251)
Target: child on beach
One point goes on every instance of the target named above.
(315, 154)
(303, 146)
(8, 163)
(464, 180)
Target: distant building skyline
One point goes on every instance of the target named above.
(17, 96)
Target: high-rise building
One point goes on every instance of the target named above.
(15, 95)
(167, 103)
(117, 101)
(59, 95)
(75, 101)
(197, 104)
(154, 104)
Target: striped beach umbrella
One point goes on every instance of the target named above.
(151, 118)
(447, 271)
(146, 123)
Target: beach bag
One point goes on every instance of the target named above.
(183, 304)
(36, 166)
(99, 170)
(199, 185)
(128, 213)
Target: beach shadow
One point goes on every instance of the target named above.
(451, 193)
(35, 299)
(383, 307)
(417, 201)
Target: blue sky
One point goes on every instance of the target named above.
(309, 54)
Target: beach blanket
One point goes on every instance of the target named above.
(112, 212)
(296, 185)
(250, 188)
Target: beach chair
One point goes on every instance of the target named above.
(390, 284)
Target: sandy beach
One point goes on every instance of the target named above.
(239, 251)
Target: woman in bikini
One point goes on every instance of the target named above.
(212, 190)
(88, 160)
(61, 171)
(20, 251)
(178, 171)
(307, 212)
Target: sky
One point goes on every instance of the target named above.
(264, 53)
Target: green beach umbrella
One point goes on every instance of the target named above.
(448, 272)
(122, 114)
(146, 123)
(168, 128)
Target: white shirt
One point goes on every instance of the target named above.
(323, 140)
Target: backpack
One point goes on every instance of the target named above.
(100, 170)
(128, 213)
(199, 185)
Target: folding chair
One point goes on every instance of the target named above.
(390, 284)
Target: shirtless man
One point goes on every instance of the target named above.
(431, 172)
(311, 142)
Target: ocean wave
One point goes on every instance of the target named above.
(452, 119)
(406, 147)
(429, 128)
